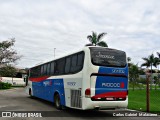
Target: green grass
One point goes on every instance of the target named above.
(137, 100)
(141, 86)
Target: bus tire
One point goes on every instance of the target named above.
(57, 101)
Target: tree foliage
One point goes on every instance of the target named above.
(133, 74)
(7, 53)
(129, 61)
(150, 61)
(158, 53)
(97, 39)
(5, 85)
(8, 71)
(8, 56)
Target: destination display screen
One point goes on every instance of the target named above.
(107, 57)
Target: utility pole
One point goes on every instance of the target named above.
(54, 52)
(148, 75)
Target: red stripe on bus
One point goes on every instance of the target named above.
(39, 79)
(111, 94)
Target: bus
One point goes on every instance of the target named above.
(91, 78)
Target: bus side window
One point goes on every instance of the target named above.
(45, 69)
(35, 72)
(52, 68)
(48, 68)
(77, 62)
(31, 73)
(41, 70)
(55, 68)
(68, 65)
(74, 63)
(80, 59)
(38, 71)
(60, 66)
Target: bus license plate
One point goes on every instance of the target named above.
(109, 99)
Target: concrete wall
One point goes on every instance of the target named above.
(144, 76)
(14, 81)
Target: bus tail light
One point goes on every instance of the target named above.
(88, 92)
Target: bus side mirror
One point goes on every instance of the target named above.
(26, 80)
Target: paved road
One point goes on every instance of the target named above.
(17, 100)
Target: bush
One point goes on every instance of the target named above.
(5, 85)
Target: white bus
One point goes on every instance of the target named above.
(92, 78)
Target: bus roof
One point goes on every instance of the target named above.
(84, 48)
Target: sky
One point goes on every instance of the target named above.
(39, 26)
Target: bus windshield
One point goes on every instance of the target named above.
(108, 57)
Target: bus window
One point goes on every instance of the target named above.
(77, 62)
(45, 69)
(48, 68)
(73, 63)
(68, 65)
(35, 72)
(108, 57)
(60, 66)
(42, 70)
(80, 59)
(80, 62)
(52, 68)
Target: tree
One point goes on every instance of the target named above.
(141, 72)
(96, 39)
(8, 56)
(8, 71)
(7, 53)
(158, 54)
(156, 81)
(133, 74)
(150, 62)
(157, 59)
(129, 61)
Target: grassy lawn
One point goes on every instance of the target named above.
(137, 100)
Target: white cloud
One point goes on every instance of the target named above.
(40, 26)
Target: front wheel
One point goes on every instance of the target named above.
(57, 102)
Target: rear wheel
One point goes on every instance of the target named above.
(57, 101)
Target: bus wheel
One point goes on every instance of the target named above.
(57, 101)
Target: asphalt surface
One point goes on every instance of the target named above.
(17, 100)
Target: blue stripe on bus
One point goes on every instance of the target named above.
(46, 89)
(109, 70)
(100, 89)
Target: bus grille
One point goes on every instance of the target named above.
(76, 98)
